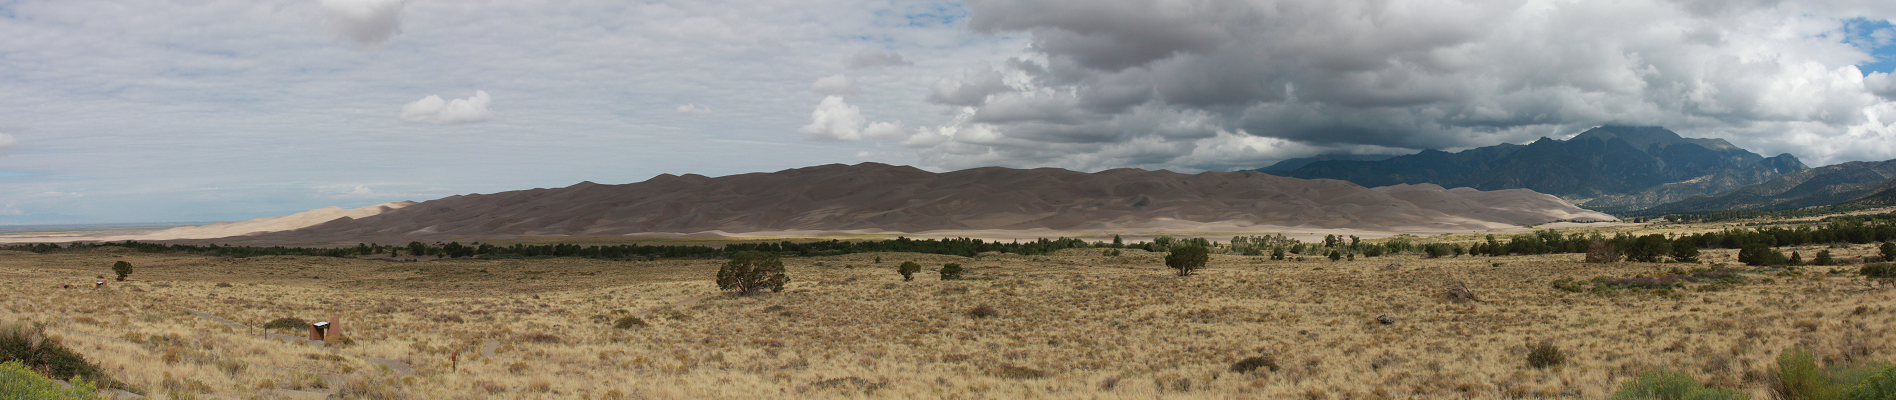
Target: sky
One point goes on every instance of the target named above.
(136, 111)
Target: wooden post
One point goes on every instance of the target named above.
(335, 327)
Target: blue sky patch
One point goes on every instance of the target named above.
(1876, 37)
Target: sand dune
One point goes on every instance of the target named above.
(228, 229)
(873, 197)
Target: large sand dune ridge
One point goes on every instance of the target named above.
(872, 197)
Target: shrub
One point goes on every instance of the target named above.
(1823, 258)
(1545, 355)
(983, 311)
(1335, 255)
(1671, 385)
(908, 270)
(952, 271)
(291, 323)
(1879, 387)
(1797, 377)
(1889, 251)
(1184, 260)
(1685, 250)
(28, 345)
(1247, 365)
(541, 337)
(122, 268)
(19, 382)
(1016, 372)
(628, 322)
(1600, 252)
(1759, 254)
(1879, 270)
(1570, 285)
(751, 272)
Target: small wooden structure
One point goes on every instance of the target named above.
(316, 330)
(322, 329)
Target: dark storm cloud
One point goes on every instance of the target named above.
(1256, 81)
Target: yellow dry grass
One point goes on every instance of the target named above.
(1092, 326)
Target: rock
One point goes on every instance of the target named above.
(1385, 320)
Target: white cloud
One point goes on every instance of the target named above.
(872, 58)
(835, 85)
(361, 190)
(367, 22)
(692, 109)
(434, 110)
(834, 121)
(7, 142)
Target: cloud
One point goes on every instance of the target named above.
(1115, 83)
(434, 110)
(835, 85)
(693, 109)
(971, 88)
(7, 142)
(873, 58)
(834, 121)
(837, 121)
(361, 190)
(367, 22)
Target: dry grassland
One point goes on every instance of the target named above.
(1073, 325)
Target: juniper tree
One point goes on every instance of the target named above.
(1186, 259)
(751, 272)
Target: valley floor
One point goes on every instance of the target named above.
(1079, 324)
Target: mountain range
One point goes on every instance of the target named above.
(878, 198)
(1866, 183)
(1609, 168)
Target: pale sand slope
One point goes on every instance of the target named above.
(874, 198)
(227, 229)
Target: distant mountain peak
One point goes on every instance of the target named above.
(1633, 159)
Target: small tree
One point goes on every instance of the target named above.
(1685, 251)
(908, 270)
(751, 272)
(122, 269)
(1823, 258)
(950, 271)
(1186, 259)
(1335, 255)
(1889, 251)
(1600, 251)
(1277, 254)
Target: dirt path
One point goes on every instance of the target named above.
(401, 369)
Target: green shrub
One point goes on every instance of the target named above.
(908, 270)
(1878, 270)
(952, 271)
(1882, 386)
(1889, 251)
(1247, 365)
(1570, 285)
(28, 345)
(1184, 260)
(628, 322)
(1797, 378)
(122, 268)
(1671, 385)
(291, 323)
(19, 382)
(751, 272)
(1545, 355)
